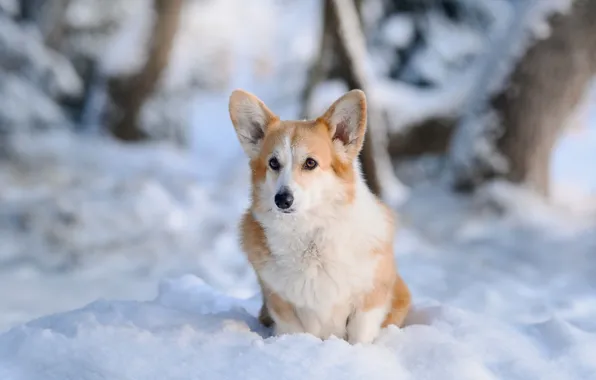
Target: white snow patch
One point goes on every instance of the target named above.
(11, 7)
(447, 47)
(192, 331)
(398, 31)
(17, 114)
(408, 105)
(126, 50)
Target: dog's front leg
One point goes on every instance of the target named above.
(282, 313)
(365, 323)
(285, 324)
(385, 305)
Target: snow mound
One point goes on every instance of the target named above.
(191, 331)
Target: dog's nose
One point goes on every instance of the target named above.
(284, 198)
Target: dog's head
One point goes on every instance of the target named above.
(299, 166)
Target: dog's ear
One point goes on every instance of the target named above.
(346, 121)
(250, 117)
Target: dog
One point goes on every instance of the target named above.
(320, 242)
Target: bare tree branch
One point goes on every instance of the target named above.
(129, 94)
(342, 26)
(544, 89)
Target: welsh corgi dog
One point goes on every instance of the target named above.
(320, 242)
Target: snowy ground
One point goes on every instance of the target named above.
(495, 298)
(123, 263)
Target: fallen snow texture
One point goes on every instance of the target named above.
(192, 331)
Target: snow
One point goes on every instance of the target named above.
(11, 7)
(123, 262)
(440, 75)
(398, 31)
(125, 49)
(24, 53)
(191, 330)
(31, 77)
(448, 47)
(577, 146)
(17, 115)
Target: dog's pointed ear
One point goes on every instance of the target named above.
(346, 120)
(251, 118)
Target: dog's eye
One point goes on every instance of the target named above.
(310, 164)
(274, 163)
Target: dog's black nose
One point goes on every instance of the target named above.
(284, 198)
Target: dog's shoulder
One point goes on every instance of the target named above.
(253, 240)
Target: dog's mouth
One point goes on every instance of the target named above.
(290, 210)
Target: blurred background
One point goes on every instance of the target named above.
(119, 166)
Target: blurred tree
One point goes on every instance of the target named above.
(521, 120)
(53, 27)
(29, 10)
(542, 92)
(48, 15)
(342, 54)
(129, 94)
(32, 78)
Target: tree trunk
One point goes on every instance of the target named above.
(342, 53)
(321, 68)
(544, 90)
(129, 94)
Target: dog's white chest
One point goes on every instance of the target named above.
(316, 272)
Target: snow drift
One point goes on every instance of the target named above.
(191, 332)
